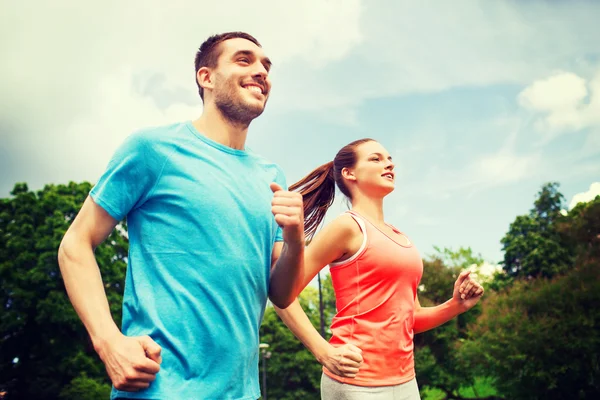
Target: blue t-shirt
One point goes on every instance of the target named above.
(201, 234)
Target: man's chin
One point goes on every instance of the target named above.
(253, 101)
(243, 111)
(255, 107)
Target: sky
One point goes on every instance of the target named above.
(480, 103)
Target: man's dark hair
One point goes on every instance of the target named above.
(208, 53)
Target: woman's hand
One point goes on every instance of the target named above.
(344, 360)
(467, 291)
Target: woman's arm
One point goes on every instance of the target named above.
(329, 245)
(467, 293)
(343, 361)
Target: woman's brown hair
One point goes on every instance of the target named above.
(318, 187)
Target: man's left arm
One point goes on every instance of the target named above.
(287, 266)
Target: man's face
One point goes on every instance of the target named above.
(241, 80)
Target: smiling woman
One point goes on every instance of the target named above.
(375, 269)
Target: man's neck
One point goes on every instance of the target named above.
(217, 128)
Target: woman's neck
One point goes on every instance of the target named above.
(370, 208)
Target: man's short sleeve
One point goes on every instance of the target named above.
(129, 177)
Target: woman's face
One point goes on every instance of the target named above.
(373, 173)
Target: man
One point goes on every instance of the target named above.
(207, 219)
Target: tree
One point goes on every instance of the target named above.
(533, 246)
(329, 303)
(541, 338)
(582, 229)
(292, 371)
(84, 388)
(440, 359)
(462, 258)
(43, 345)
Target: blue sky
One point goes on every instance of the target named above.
(479, 102)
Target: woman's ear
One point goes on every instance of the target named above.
(348, 173)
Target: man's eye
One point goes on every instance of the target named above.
(244, 60)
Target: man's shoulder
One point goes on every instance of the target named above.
(160, 133)
(154, 141)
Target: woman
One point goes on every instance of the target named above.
(375, 270)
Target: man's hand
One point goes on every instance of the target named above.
(289, 214)
(344, 361)
(467, 291)
(131, 362)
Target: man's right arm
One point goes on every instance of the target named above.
(81, 273)
(130, 362)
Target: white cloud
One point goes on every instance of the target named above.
(317, 31)
(501, 167)
(483, 172)
(562, 90)
(592, 144)
(77, 78)
(564, 102)
(118, 112)
(57, 49)
(504, 167)
(412, 47)
(61, 60)
(432, 46)
(584, 197)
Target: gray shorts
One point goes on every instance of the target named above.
(334, 390)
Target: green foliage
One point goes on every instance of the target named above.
(482, 389)
(500, 281)
(533, 245)
(43, 345)
(535, 334)
(329, 307)
(84, 388)
(440, 361)
(582, 228)
(541, 338)
(461, 258)
(292, 371)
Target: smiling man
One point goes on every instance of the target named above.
(212, 234)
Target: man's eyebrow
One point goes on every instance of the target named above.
(265, 60)
(243, 53)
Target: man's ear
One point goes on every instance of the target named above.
(205, 78)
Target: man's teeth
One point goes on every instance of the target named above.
(254, 89)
